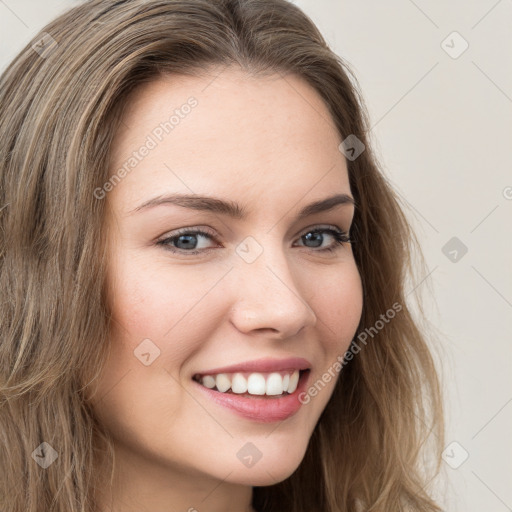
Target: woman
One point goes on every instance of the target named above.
(203, 273)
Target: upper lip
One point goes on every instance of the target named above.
(263, 365)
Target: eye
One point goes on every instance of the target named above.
(316, 237)
(187, 241)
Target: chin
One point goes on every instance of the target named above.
(269, 470)
(264, 476)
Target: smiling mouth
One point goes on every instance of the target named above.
(253, 384)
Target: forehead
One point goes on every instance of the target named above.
(227, 133)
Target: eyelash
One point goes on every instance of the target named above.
(340, 237)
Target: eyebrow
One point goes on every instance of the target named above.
(233, 209)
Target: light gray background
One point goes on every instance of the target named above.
(442, 127)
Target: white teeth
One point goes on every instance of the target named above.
(272, 384)
(294, 380)
(256, 384)
(209, 381)
(239, 383)
(286, 382)
(222, 382)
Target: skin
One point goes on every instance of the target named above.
(270, 144)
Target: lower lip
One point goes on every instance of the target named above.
(264, 409)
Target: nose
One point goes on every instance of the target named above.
(268, 299)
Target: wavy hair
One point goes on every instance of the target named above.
(60, 106)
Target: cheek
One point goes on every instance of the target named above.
(155, 308)
(151, 297)
(156, 301)
(338, 304)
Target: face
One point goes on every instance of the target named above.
(225, 292)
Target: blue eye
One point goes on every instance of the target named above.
(317, 237)
(186, 241)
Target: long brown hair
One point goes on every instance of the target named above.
(60, 105)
